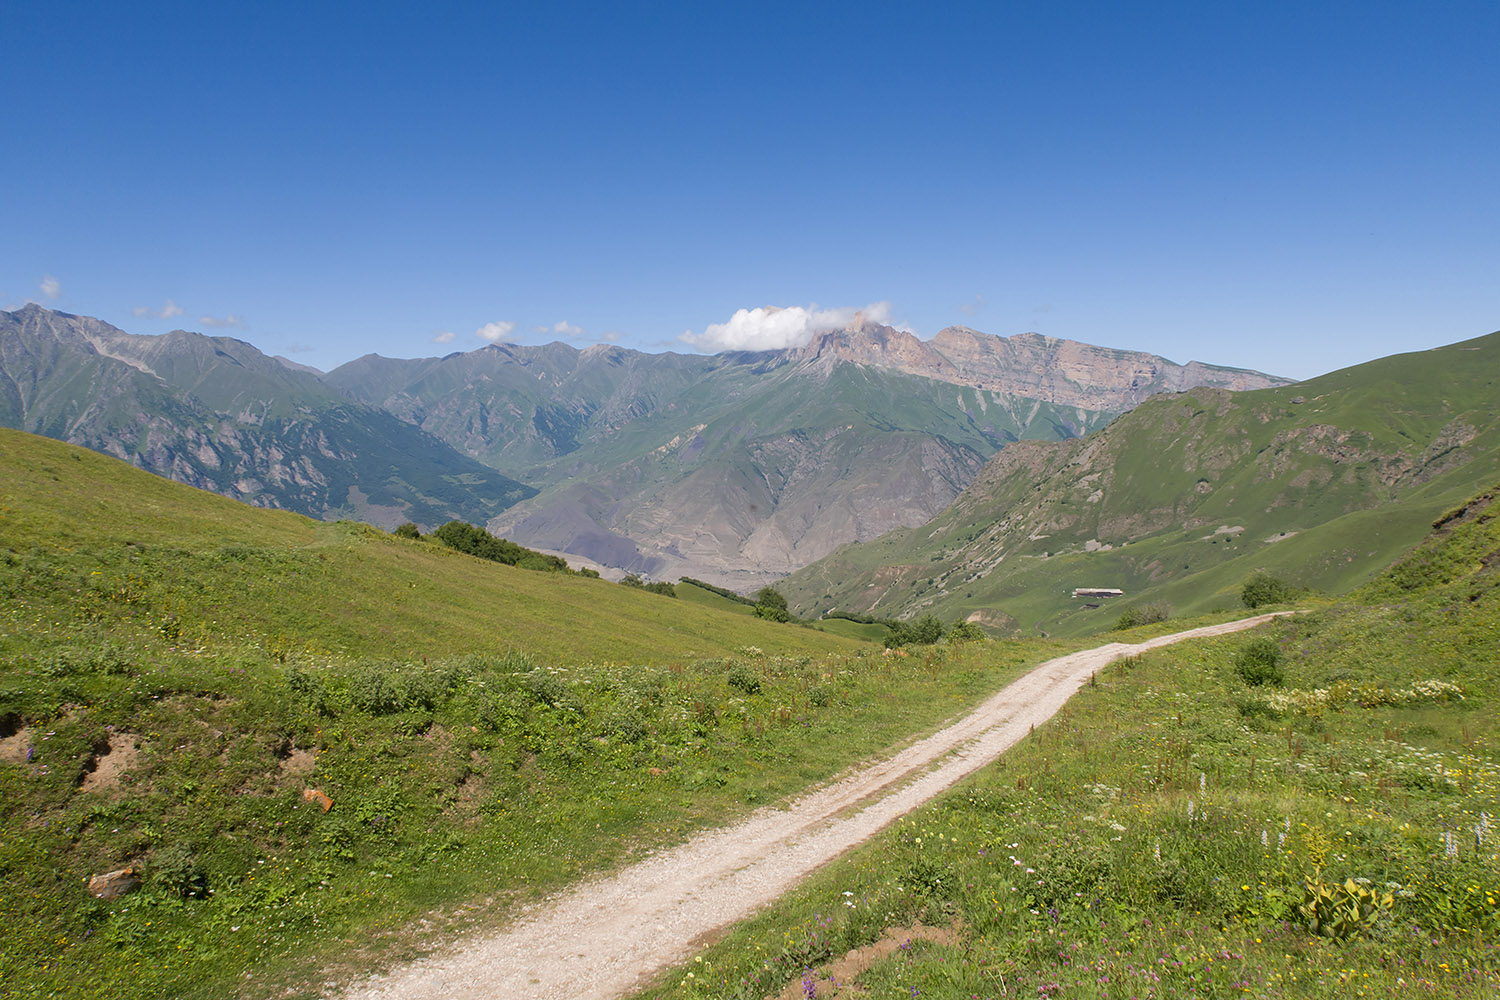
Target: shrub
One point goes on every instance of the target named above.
(174, 870)
(548, 688)
(408, 530)
(1262, 589)
(656, 587)
(478, 542)
(1259, 662)
(962, 631)
(1144, 614)
(922, 632)
(771, 605)
(744, 679)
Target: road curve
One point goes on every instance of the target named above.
(601, 938)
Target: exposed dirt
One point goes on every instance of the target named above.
(601, 938)
(13, 748)
(110, 761)
(832, 979)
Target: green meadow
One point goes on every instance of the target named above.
(1308, 809)
(184, 680)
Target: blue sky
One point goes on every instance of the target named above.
(1290, 187)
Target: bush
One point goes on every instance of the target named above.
(923, 632)
(745, 679)
(478, 542)
(1145, 614)
(1262, 589)
(174, 870)
(657, 587)
(1259, 662)
(770, 605)
(962, 631)
(408, 530)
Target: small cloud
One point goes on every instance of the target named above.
(443, 337)
(610, 336)
(214, 322)
(567, 330)
(50, 286)
(298, 348)
(165, 312)
(494, 332)
(770, 328)
(970, 308)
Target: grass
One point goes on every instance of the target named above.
(1158, 836)
(85, 535)
(181, 677)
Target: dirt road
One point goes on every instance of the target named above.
(599, 939)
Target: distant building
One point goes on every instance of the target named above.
(1098, 592)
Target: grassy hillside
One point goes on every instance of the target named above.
(1176, 829)
(185, 682)
(1324, 482)
(89, 535)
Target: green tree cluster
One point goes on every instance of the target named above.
(478, 542)
(654, 586)
(771, 605)
(1262, 589)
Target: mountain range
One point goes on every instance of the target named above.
(216, 413)
(740, 467)
(737, 467)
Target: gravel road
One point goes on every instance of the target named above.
(601, 938)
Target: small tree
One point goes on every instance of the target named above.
(923, 631)
(1259, 662)
(771, 605)
(1262, 588)
(408, 530)
(964, 631)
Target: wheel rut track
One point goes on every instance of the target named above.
(601, 938)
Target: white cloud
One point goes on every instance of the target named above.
(50, 286)
(445, 337)
(565, 329)
(970, 308)
(494, 332)
(229, 320)
(771, 328)
(165, 312)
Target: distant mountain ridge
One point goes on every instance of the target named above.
(1065, 372)
(740, 467)
(736, 468)
(216, 413)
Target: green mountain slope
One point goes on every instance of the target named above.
(1324, 482)
(216, 413)
(253, 711)
(1161, 834)
(89, 535)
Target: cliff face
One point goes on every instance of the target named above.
(1064, 372)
